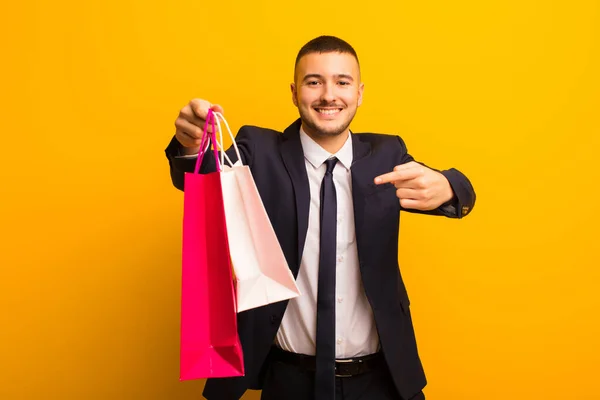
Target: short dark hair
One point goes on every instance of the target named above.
(326, 44)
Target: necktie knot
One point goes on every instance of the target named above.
(330, 164)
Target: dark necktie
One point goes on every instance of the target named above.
(325, 354)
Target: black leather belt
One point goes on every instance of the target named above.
(344, 368)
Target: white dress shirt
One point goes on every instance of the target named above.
(355, 329)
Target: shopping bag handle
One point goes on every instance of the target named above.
(219, 117)
(205, 143)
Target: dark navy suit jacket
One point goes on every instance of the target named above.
(277, 163)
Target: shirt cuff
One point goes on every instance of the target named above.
(187, 156)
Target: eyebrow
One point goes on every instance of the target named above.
(343, 76)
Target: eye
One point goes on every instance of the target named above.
(312, 83)
(344, 83)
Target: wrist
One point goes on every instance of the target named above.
(447, 193)
(189, 151)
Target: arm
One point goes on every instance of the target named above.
(421, 189)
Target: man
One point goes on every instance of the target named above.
(333, 198)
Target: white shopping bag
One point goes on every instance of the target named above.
(261, 271)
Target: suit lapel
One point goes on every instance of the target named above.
(362, 183)
(293, 159)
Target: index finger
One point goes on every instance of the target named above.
(394, 176)
(200, 108)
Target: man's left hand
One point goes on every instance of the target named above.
(417, 186)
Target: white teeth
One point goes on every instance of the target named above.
(328, 112)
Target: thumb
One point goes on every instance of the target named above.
(217, 108)
(405, 166)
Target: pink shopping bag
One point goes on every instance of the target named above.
(210, 345)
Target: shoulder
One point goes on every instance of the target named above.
(386, 142)
(258, 133)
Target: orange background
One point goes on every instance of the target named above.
(505, 302)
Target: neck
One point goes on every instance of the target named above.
(331, 144)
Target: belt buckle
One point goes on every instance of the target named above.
(347, 361)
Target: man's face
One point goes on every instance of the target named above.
(327, 92)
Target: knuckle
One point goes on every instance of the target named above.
(185, 111)
(424, 194)
(195, 108)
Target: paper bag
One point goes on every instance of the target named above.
(262, 274)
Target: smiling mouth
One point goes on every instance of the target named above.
(327, 111)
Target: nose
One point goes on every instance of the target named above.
(328, 94)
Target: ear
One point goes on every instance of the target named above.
(294, 93)
(361, 89)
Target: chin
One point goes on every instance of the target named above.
(332, 131)
(327, 129)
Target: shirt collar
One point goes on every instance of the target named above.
(316, 155)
